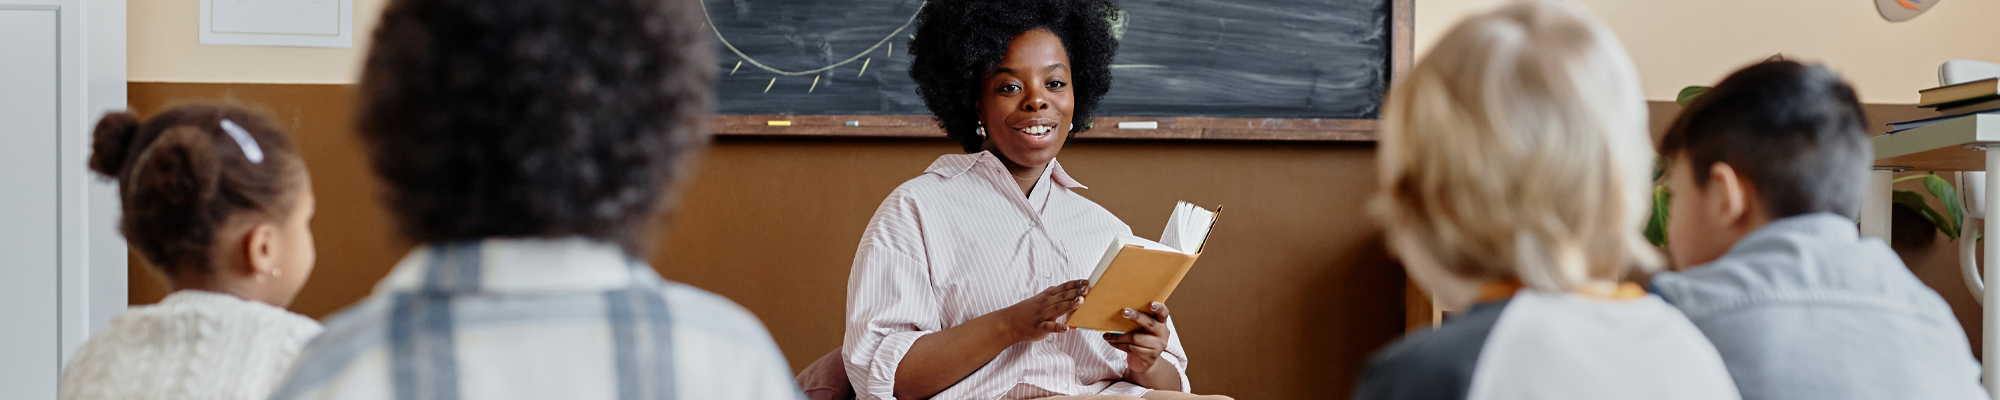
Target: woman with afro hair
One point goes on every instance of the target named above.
(963, 277)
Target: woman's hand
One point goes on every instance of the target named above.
(939, 360)
(1039, 315)
(1143, 346)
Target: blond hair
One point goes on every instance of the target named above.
(1518, 149)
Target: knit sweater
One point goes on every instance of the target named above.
(192, 345)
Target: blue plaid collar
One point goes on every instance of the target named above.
(514, 265)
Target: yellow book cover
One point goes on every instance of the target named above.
(1964, 92)
(1135, 272)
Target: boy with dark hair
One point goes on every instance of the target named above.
(1768, 170)
(528, 147)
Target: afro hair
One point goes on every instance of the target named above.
(959, 43)
(532, 118)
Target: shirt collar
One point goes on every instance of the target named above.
(1823, 226)
(953, 165)
(514, 264)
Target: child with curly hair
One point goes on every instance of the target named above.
(218, 202)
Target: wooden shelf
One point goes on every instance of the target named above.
(1939, 147)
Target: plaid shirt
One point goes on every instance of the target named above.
(538, 319)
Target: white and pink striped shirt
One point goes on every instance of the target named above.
(961, 241)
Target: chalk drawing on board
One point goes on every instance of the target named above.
(1177, 58)
(753, 61)
(1118, 30)
(1118, 25)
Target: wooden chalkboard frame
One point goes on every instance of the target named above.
(1401, 27)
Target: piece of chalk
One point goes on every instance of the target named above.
(853, 123)
(1139, 125)
(779, 123)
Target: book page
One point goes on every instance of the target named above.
(1172, 236)
(1187, 227)
(1195, 232)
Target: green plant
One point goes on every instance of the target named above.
(1688, 94)
(1953, 214)
(1656, 225)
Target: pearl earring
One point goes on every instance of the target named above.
(981, 130)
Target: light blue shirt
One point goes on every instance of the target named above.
(538, 319)
(1804, 308)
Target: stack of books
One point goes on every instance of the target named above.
(1955, 101)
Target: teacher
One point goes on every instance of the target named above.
(963, 276)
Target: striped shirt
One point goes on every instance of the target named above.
(961, 241)
(538, 319)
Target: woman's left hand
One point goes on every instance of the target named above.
(1143, 346)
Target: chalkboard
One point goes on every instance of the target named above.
(1180, 58)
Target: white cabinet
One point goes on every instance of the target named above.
(62, 263)
(29, 201)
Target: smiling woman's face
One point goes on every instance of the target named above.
(1026, 103)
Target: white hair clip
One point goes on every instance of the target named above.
(243, 139)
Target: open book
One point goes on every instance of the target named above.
(1136, 272)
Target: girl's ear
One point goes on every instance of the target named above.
(261, 250)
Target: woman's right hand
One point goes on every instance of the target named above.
(1039, 315)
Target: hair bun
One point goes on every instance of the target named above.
(182, 169)
(111, 141)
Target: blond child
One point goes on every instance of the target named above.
(1514, 165)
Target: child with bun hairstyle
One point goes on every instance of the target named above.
(217, 200)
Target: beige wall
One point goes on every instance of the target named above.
(1676, 43)
(162, 46)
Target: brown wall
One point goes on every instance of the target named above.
(1290, 299)
(1287, 304)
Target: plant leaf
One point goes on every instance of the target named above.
(1659, 168)
(1775, 57)
(1688, 94)
(1656, 226)
(1946, 194)
(1916, 202)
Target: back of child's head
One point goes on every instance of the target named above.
(1796, 132)
(1518, 150)
(189, 172)
(532, 118)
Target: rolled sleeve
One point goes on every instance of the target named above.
(880, 381)
(890, 301)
